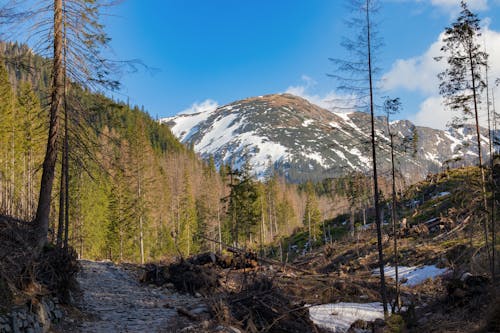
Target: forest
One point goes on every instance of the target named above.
(136, 193)
(92, 184)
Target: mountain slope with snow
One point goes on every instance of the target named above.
(304, 141)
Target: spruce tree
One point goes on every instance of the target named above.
(356, 76)
(188, 219)
(8, 120)
(32, 133)
(462, 83)
(312, 214)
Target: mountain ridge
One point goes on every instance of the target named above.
(303, 141)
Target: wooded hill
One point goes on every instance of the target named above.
(136, 193)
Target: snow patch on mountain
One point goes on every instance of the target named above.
(305, 141)
(220, 134)
(185, 125)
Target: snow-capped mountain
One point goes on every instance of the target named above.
(304, 141)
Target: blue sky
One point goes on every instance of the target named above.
(214, 52)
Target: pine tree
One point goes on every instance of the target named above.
(392, 106)
(356, 77)
(76, 40)
(312, 214)
(32, 132)
(244, 208)
(188, 219)
(462, 82)
(6, 142)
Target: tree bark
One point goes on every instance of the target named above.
(374, 161)
(41, 222)
(480, 156)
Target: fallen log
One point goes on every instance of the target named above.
(264, 260)
(187, 313)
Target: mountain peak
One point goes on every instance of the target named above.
(304, 141)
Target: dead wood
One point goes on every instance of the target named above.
(187, 313)
(262, 307)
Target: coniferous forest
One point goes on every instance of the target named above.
(136, 193)
(112, 221)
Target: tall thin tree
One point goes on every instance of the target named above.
(85, 65)
(392, 106)
(462, 82)
(359, 82)
(56, 106)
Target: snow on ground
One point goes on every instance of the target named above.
(307, 122)
(432, 157)
(186, 124)
(267, 151)
(362, 157)
(315, 156)
(339, 317)
(221, 132)
(342, 156)
(414, 275)
(343, 115)
(455, 142)
(441, 194)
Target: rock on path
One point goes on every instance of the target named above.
(118, 303)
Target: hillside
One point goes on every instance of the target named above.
(136, 192)
(444, 284)
(125, 168)
(305, 142)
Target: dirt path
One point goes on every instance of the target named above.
(118, 303)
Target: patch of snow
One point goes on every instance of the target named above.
(441, 194)
(414, 275)
(340, 316)
(267, 151)
(363, 158)
(342, 156)
(333, 125)
(315, 156)
(220, 134)
(343, 115)
(432, 157)
(185, 125)
(307, 122)
(455, 142)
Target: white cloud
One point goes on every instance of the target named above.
(432, 114)
(454, 5)
(419, 74)
(207, 105)
(330, 101)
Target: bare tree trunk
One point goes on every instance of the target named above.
(394, 220)
(374, 161)
(271, 233)
(219, 227)
(262, 226)
(480, 158)
(309, 227)
(41, 222)
(141, 238)
(62, 200)
(141, 231)
(493, 205)
(66, 145)
(13, 164)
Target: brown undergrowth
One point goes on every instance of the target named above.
(28, 273)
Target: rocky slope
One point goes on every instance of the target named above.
(304, 141)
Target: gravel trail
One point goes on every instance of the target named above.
(119, 303)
